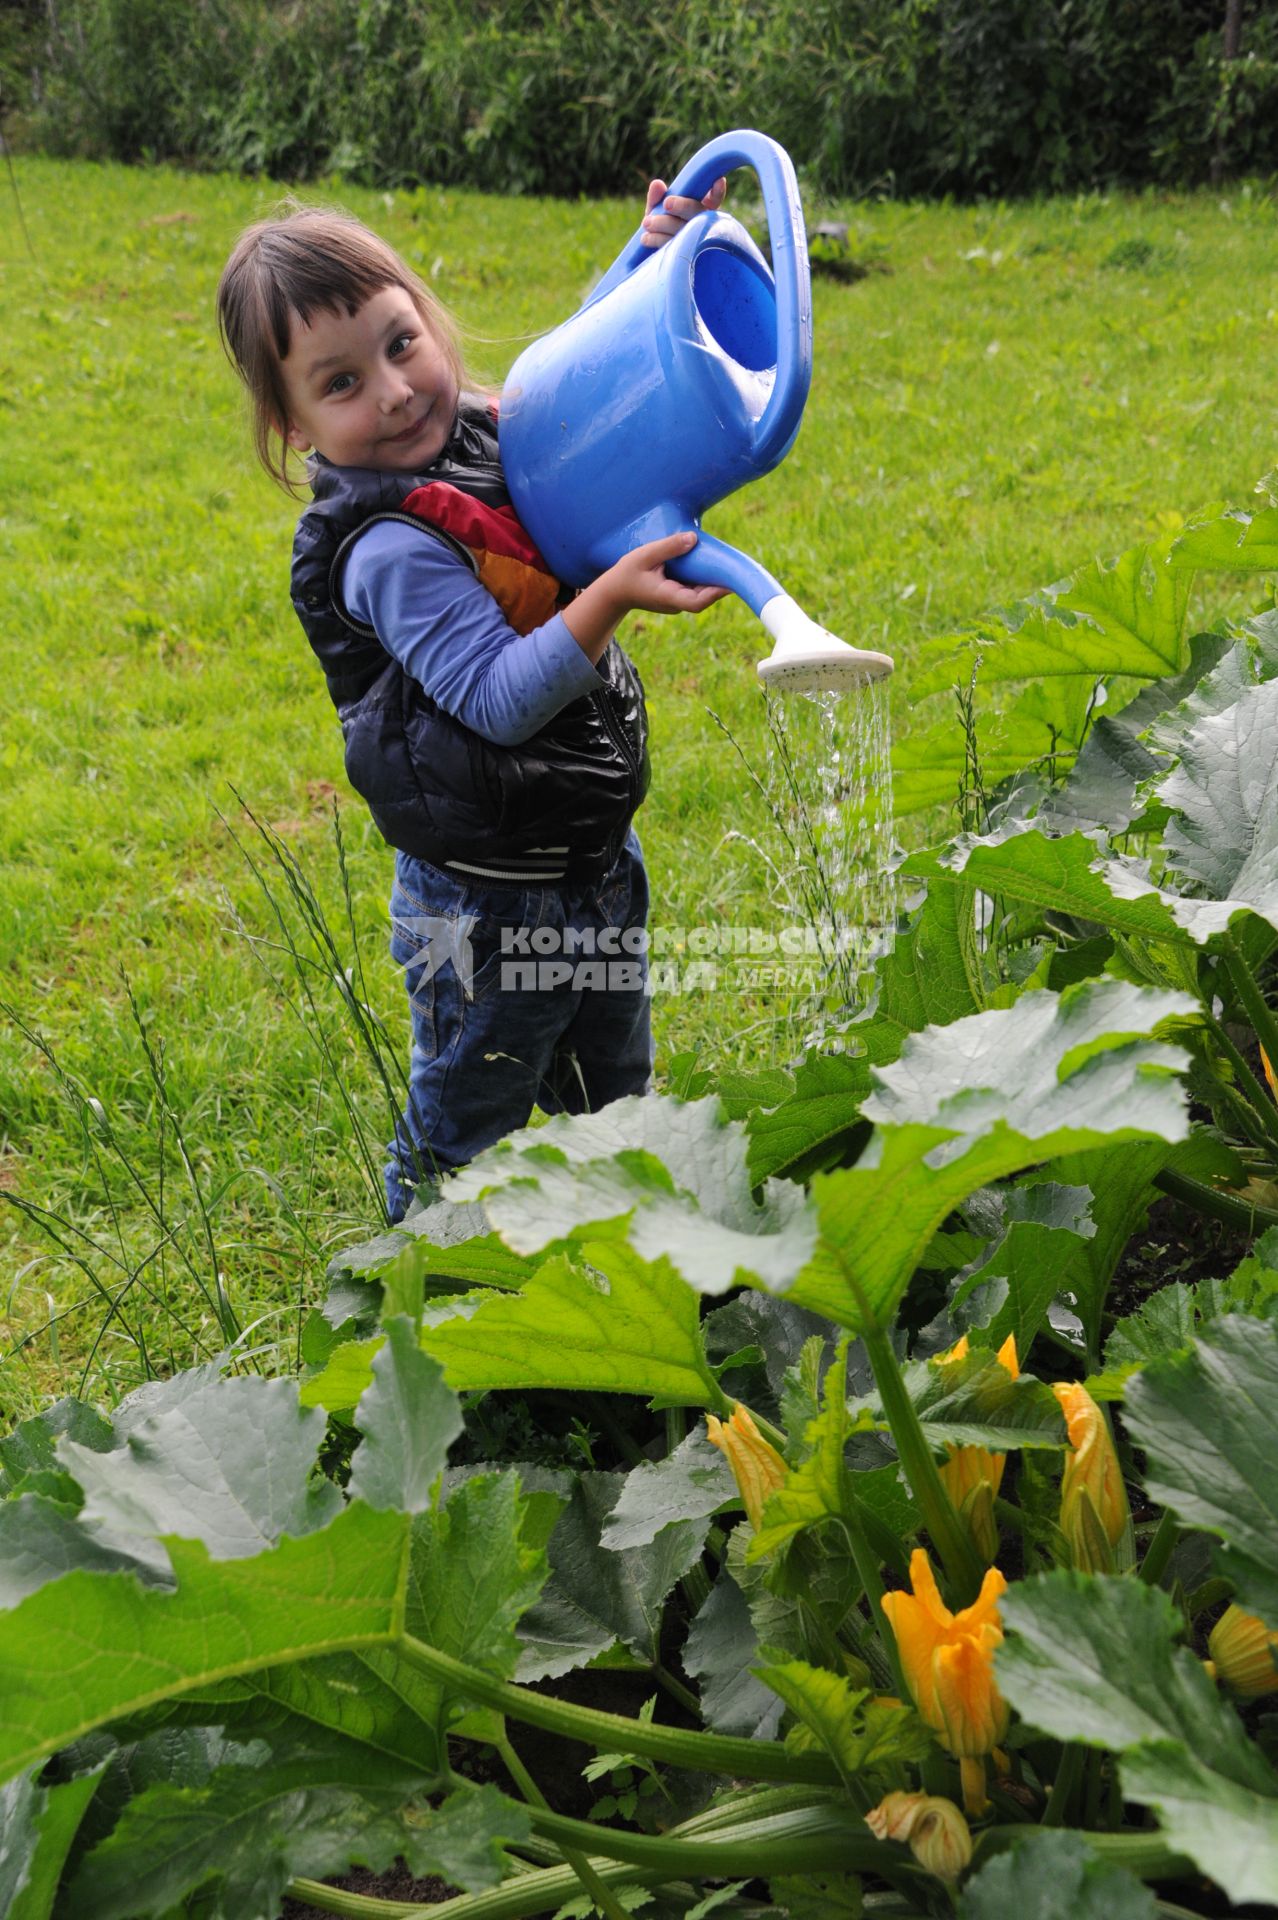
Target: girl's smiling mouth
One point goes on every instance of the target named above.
(410, 432)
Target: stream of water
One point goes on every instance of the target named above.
(828, 790)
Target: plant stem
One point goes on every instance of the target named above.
(1240, 1214)
(613, 1732)
(685, 1697)
(524, 1894)
(1147, 1855)
(959, 1557)
(1068, 1775)
(1161, 1548)
(868, 1570)
(574, 1858)
(1259, 1012)
(803, 1840)
(761, 1834)
(1257, 1114)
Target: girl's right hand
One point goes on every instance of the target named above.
(639, 579)
(638, 582)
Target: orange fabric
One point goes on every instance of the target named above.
(525, 596)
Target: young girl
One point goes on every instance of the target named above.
(491, 722)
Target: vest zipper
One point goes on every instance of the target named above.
(617, 734)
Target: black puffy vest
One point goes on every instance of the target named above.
(435, 788)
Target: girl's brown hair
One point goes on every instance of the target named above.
(306, 260)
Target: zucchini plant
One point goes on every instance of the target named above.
(944, 1586)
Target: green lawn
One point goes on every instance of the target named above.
(1010, 392)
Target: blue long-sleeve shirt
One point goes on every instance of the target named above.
(447, 631)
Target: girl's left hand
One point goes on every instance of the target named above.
(664, 215)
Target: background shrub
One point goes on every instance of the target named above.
(576, 96)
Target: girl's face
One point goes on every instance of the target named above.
(369, 389)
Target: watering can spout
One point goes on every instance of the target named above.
(805, 658)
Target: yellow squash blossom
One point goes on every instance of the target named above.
(948, 1660)
(1094, 1511)
(972, 1476)
(937, 1834)
(757, 1467)
(1267, 1064)
(1242, 1651)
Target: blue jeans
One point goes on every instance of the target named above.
(520, 996)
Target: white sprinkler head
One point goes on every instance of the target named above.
(807, 659)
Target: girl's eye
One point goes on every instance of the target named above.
(400, 344)
(338, 383)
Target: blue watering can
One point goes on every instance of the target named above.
(682, 377)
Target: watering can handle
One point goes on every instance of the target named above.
(746, 148)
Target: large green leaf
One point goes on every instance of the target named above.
(1093, 1659)
(1231, 543)
(1041, 1068)
(823, 1107)
(976, 1402)
(91, 1648)
(1208, 1421)
(1024, 1267)
(40, 1541)
(473, 1574)
(930, 765)
(969, 1104)
(932, 976)
(689, 1484)
(409, 1419)
(447, 1241)
(239, 1839)
(38, 1827)
(606, 1319)
(1054, 1876)
(1068, 875)
(29, 1449)
(1104, 784)
(1223, 835)
(672, 1173)
(721, 1649)
(1124, 619)
(229, 1466)
(369, 1700)
(597, 1596)
(1122, 1189)
(1170, 1320)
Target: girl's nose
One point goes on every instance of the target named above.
(396, 392)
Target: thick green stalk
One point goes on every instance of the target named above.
(959, 1557)
(814, 1839)
(525, 1895)
(1214, 1203)
(732, 1842)
(614, 1732)
(1147, 1855)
